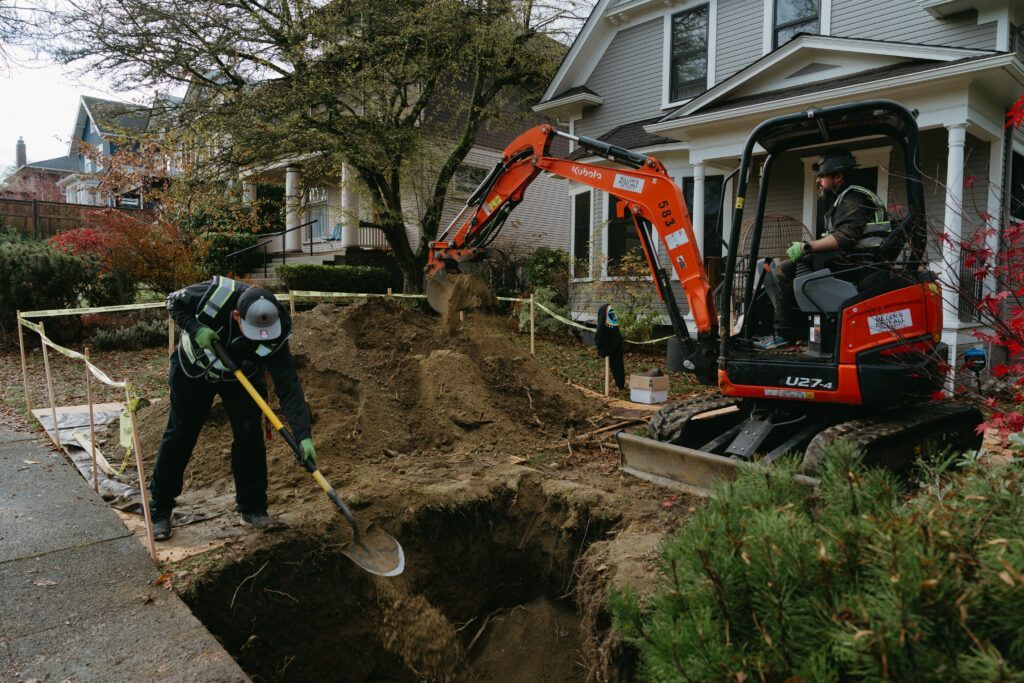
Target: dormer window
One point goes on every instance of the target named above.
(688, 75)
(793, 17)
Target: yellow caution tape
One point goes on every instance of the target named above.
(38, 329)
(55, 312)
(591, 329)
(351, 295)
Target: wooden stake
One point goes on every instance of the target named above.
(389, 292)
(49, 387)
(532, 327)
(170, 335)
(291, 304)
(607, 375)
(142, 472)
(24, 365)
(92, 423)
(462, 316)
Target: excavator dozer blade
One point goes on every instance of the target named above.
(678, 467)
(438, 290)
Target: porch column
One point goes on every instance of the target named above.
(697, 210)
(293, 207)
(248, 192)
(349, 207)
(951, 252)
(995, 209)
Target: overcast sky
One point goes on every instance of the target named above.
(38, 101)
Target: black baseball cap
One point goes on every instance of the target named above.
(259, 315)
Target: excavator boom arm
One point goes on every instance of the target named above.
(652, 198)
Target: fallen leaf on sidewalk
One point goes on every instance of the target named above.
(44, 582)
(165, 580)
(31, 462)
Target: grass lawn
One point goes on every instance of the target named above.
(569, 358)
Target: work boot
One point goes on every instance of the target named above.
(162, 527)
(262, 521)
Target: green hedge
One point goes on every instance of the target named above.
(360, 279)
(33, 276)
(219, 244)
(857, 581)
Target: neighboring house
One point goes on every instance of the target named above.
(329, 209)
(687, 80)
(39, 180)
(101, 125)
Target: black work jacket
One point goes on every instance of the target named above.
(184, 307)
(848, 216)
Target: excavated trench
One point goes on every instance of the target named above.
(488, 594)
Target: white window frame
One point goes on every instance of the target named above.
(768, 37)
(874, 157)
(666, 58)
(573, 193)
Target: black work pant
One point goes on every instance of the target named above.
(790, 322)
(191, 400)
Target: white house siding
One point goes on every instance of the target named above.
(907, 22)
(629, 77)
(739, 39)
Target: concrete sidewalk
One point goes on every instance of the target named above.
(77, 598)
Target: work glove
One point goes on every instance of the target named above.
(205, 337)
(308, 452)
(796, 251)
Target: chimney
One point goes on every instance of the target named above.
(19, 152)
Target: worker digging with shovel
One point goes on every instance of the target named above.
(251, 326)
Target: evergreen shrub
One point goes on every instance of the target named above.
(771, 581)
(34, 276)
(136, 335)
(544, 323)
(217, 246)
(548, 268)
(357, 279)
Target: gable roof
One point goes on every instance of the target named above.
(111, 116)
(845, 51)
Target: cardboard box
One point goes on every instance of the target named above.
(644, 389)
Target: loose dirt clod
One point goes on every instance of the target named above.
(466, 292)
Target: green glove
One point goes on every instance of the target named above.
(795, 251)
(308, 452)
(205, 337)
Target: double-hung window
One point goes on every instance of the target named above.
(795, 16)
(582, 223)
(689, 66)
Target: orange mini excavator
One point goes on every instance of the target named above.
(876, 356)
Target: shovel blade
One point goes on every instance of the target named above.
(376, 551)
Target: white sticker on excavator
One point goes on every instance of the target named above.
(676, 239)
(890, 322)
(628, 183)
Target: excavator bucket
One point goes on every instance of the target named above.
(438, 290)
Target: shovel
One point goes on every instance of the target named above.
(373, 550)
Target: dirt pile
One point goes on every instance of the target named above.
(391, 386)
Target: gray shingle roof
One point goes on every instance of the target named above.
(66, 164)
(115, 117)
(628, 136)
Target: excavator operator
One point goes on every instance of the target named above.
(854, 222)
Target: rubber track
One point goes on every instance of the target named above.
(910, 422)
(673, 417)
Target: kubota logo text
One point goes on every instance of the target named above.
(586, 172)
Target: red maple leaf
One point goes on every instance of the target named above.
(1015, 117)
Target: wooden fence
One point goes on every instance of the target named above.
(35, 218)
